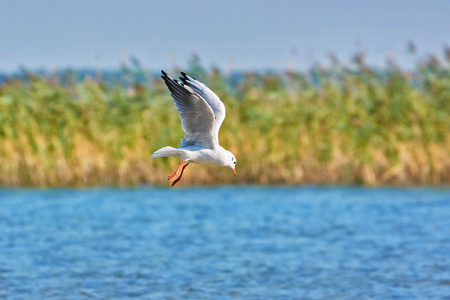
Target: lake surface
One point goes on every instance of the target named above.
(225, 243)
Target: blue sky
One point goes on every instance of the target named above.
(229, 34)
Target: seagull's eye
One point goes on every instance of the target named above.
(234, 162)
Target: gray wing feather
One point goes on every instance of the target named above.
(211, 98)
(197, 117)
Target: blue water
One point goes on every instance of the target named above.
(225, 243)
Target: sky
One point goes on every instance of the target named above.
(252, 34)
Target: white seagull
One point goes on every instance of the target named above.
(202, 113)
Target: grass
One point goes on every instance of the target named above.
(339, 125)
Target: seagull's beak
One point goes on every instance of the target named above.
(234, 172)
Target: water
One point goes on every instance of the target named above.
(225, 243)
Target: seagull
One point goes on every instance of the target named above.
(202, 113)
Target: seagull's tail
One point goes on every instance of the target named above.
(166, 151)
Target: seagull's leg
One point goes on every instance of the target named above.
(178, 179)
(176, 171)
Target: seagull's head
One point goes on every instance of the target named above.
(231, 162)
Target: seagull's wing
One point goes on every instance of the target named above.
(197, 117)
(211, 98)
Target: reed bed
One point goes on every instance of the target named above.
(340, 125)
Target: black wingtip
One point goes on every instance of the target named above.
(187, 76)
(162, 71)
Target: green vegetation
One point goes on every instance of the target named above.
(327, 126)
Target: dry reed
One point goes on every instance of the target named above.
(334, 126)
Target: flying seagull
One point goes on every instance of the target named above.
(202, 113)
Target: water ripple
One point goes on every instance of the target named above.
(225, 243)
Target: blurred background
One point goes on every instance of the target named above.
(324, 99)
(316, 92)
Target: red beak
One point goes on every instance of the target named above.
(234, 172)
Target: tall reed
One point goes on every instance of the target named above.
(327, 126)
